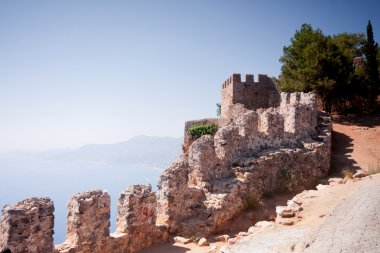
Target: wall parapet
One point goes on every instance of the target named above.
(28, 225)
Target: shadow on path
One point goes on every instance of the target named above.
(342, 148)
(165, 248)
(364, 120)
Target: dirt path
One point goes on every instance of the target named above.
(336, 219)
(356, 144)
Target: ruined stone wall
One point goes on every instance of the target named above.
(257, 152)
(28, 225)
(266, 142)
(253, 95)
(251, 131)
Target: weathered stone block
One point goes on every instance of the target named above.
(28, 226)
(88, 220)
(136, 208)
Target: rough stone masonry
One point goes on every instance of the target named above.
(266, 142)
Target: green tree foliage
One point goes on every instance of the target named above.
(331, 66)
(378, 57)
(300, 60)
(218, 109)
(372, 67)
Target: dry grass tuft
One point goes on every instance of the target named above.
(348, 173)
(194, 239)
(254, 201)
(373, 169)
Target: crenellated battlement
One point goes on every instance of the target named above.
(235, 79)
(28, 225)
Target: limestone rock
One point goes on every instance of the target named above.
(285, 212)
(321, 187)
(286, 221)
(297, 200)
(243, 234)
(252, 230)
(182, 240)
(203, 242)
(222, 238)
(335, 181)
(263, 224)
(360, 174)
(213, 249)
(232, 241)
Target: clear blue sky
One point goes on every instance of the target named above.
(80, 72)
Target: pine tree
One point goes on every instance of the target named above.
(370, 52)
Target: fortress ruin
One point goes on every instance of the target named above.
(266, 142)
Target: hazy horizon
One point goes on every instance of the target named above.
(81, 72)
(26, 151)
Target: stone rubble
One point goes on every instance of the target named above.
(182, 240)
(222, 238)
(335, 181)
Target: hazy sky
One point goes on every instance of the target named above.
(80, 72)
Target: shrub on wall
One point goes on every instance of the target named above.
(200, 130)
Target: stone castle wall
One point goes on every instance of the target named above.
(257, 152)
(266, 142)
(253, 95)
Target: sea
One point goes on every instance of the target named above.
(24, 177)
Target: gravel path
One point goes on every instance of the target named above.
(354, 226)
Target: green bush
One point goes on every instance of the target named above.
(200, 130)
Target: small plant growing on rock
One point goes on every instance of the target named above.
(195, 239)
(348, 173)
(254, 201)
(200, 130)
(287, 182)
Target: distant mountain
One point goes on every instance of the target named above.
(148, 150)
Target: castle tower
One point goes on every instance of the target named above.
(253, 95)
